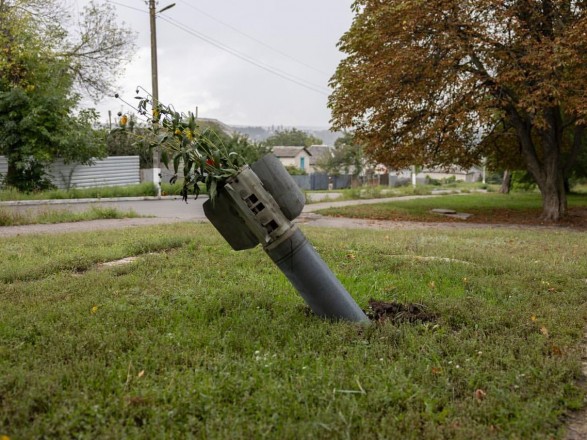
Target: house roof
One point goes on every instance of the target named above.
(318, 152)
(289, 151)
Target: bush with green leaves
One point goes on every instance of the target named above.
(200, 153)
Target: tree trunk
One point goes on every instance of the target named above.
(554, 198)
(12, 176)
(506, 183)
(548, 170)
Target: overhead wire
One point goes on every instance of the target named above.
(128, 7)
(236, 53)
(261, 42)
(273, 70)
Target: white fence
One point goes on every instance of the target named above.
(111, 171)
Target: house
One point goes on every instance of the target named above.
(298, 157)
(319, 153)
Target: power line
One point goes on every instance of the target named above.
(128, 7)
(262, 43)
(273, 70)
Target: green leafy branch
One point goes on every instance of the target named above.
(182, 142)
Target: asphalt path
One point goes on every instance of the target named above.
(154, 211)
(172, 210)
(168, 208)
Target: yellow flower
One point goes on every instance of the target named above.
(123, 120)
(178, 131)
(188, 134)
(94, 309)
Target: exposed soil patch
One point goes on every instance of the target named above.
(395, 312)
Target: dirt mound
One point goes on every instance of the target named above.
(395, 312)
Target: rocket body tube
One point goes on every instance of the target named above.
(313, 279)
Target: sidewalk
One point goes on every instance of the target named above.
(172, 210)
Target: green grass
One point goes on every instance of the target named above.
(486, 208)
(194, 340)
(376, 192)
(175, 189)
(140, 190)
(11, 217)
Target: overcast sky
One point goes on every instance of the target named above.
(292, 39)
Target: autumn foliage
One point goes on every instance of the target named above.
(443, 82)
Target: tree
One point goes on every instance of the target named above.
(37, 126)
(128, 139)
(250, 151)
(347, 157)
(98, 50)
(94, 45)
(425, 81)
(40, 65)
(292, 138)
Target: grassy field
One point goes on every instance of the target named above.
(139, 190)
(143, 189)
(192, 339)
(519, 208)
(11, 217)
(377, 192)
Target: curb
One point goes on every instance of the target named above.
(96, 200)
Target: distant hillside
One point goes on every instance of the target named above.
(261, 133)
(208, 122)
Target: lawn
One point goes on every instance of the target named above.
(143, 189)
(139, 190)
(518, 208)
(378, 192)
(192, 339)
(15, 217)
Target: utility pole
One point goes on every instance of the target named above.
(155, 92)
(154, 78)
(155, 86)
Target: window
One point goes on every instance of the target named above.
(302, 163)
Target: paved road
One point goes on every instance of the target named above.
(174, 210)
(169, 208)
(166, 208)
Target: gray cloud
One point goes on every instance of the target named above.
(193, 72)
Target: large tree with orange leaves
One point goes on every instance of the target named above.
(428, 82)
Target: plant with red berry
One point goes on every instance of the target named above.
(199, 152)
